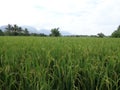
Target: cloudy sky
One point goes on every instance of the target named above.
(75, 16)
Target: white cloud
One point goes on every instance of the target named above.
(106, 16)
(75, 16)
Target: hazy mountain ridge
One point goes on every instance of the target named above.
(3, 27)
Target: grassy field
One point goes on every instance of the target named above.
(63, 63)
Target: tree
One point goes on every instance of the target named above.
(116, 33)
(1, 33)
(15, 30)
(42, 35)
(26, 32)
(101, 35)
(9, 29)
(20, 31)
(55, 32)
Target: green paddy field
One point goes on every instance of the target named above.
(59, 63)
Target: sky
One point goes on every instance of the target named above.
(81, 17)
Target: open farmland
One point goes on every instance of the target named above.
(62, 63)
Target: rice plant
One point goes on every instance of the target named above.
(62, 63)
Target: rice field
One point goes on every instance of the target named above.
(62, 63)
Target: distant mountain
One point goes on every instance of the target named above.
(34, 30)
(30, 29)
(45, 31)
(64, 33)
(3, 27)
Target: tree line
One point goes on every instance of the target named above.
(15, 30)
(116, 33)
